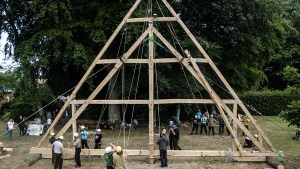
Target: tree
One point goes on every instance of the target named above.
(57, 40)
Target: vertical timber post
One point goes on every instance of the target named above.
(74, 124)
(151, 93)
(234, 147)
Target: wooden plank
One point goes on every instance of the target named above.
(151, 94)
(158, 19)
(74, 124)
(103, 83)
(250, 159)
(87, 73)
(69, 152)
(234, 146)
(214, 67)
(145, 61)
(159, 101)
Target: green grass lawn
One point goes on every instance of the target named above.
(138, 139)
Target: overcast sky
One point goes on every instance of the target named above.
(4, 63)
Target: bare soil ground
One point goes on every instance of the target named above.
(138, 139)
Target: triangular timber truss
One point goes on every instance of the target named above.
(189, 63)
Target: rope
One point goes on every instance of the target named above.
(141, 48)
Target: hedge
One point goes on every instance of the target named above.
(270, 103)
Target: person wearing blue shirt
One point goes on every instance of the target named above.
(84, 137)
(203, 125)
(230, 122)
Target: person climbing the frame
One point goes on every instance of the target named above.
(98, 139)
(84, 138)
(163, 143)
(77, 145)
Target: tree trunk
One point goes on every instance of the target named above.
(178, 113)
(113, 109)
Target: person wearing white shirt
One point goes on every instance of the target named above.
(58, 152)
(10, 128)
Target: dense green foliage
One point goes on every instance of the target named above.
(270, 103)
(57, 40)
(292, 113)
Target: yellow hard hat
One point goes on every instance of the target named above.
(52, 134)
(118, 149)
(255, 135)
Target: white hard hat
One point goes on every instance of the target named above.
(82, 127)
(108, 149)
(61, 137)
(99, 130)
(76, 135)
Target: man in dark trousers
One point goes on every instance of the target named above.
(221, 125)
(98, 139)
(203, 125)
(52, 140)
(195, 125)
(21, 125)
(58, 152)
(171, 135)
(163, 143)
(176, 138)
(77, 145)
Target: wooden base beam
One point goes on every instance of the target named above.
(69, 153)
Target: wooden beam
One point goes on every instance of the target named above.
(159, 101)
(74, 125)
(214, 67)
(145, 61)
(151, 19)
(87, 73)
(250, 159)
(151, 94)
(103, 83)
(69, 152)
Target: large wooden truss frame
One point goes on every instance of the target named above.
(190, 64)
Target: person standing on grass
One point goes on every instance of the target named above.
(171, 135)
(58, 152)
(21, 125)
(52, 140)
(163, 143)
(108, 155)
(84, 138)
(77, 145)
(211, 125)
(10, 128)
(98, 139)
(195, 126)
(230, 122)
(176, 137)
(221, 125)
(119, 158)
(203, 124)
